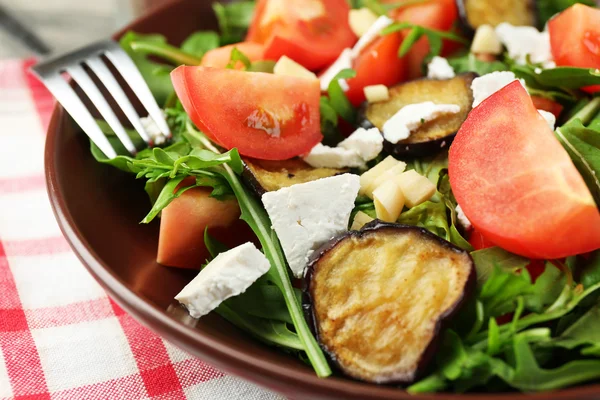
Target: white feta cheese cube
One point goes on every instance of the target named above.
(438, 68)
(344, 61)
(549, 117)
(322, 156)
(372, 34)
(523, 41)
(462, 218)
(361, 20)
(306, 215)
(376, 93)
(367, 143)
(228, 275)
(289, 67)
(486, 41)
(412, 116)
(488, 84)
(153, 130)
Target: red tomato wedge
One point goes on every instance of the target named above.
(182, 225)
(542, 103)
(377, 64)
(264, 116)
(311, 32)
(219, 58)
(435, 14)
(575, 38)
(516, 183)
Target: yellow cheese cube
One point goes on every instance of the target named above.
(289, 67)
(376, 93)
(416, 188)
(486, 41)
(361, 20)
(360, 219)
(389, 201)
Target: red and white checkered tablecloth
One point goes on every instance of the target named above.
(61, 337)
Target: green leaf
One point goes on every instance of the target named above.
(198, 43)
(337, 97)
(329, 123)
(159, 84)
(500, 291)
(234, 19)
(582, 145)
(262, 66)
(411, 38)
(469, 63)
(546, 288)
(428, 215)
(590, 273)
(416, 32)
(585, 332)
(265, 301)
(560, 77)
(486, 260)
(165, 51)
(237, 55)
(166, 196)
(213, 246)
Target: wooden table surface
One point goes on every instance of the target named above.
(67, 24)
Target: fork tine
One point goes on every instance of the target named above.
(134, 78)
(92, 91)
(67, 97)
(109, 81)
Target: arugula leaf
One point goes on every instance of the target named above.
(583, 333)
(262, 66)
(198, 43)
(583, 147)
(487, 260)
(434, 37)
(237, 55)
(469, 63)
(154, 74)
(234, 20)
(546, 9)
(559, 77)
(429, 215)
(590, 273)
(337, 97)
(165, 51)
(213, 246)
(329, 123)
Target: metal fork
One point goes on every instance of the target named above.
(50, 73)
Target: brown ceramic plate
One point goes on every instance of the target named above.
(99, 209)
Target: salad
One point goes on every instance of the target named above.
(402, 192)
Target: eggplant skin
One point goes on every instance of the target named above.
(265, 176)
(432, 136)
(377, 299)
(474, 13)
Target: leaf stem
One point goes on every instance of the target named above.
(166, 51)
(587, 112)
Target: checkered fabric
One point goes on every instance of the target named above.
(61, 337)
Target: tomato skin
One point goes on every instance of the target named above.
(219, 58)
(264, 116)
(311, 32)
(543, 103)
(377, 64)
(520, 189)
(182, 227)
(435, 14)
(581, 46)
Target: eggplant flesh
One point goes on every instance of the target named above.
(434, 135)
(474, 13)
(266, 175)
(377, 299)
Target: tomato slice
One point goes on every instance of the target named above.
(265, 116)
(478, 241)
(311, 32)
(435, 14)
(219, 58)
(575, 38)
(516, 183)
(543, 103)
(377, 64)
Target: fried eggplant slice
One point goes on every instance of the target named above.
(377, 299)
(433, 135)
(266, 175)
(474, 13)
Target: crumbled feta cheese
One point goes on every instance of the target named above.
(462, 218)
(439, 68)
(488, 84)
(367, 143)
(523, 41)
(486, 41)
(289, 67)
(376, 93)
(549, 117)
(361, 20)
(322, 156)
(344, 61)
(152, 129)
(228, 275)
(412, 116)
(372, 34)
(306, 215)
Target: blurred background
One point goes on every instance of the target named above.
(62, 25)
